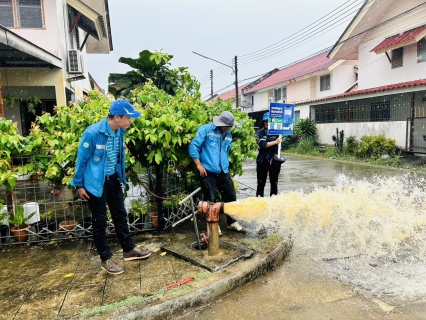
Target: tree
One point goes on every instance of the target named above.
(163, 132)
(169, 123)
(154, 66)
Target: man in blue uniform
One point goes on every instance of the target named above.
(268, 147)
(210, 152)
(99, 175)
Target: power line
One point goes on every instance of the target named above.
(383, 23)
(301, 35)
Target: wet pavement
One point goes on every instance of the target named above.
(65, 281)
(313, 285)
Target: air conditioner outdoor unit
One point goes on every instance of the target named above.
(75, 64)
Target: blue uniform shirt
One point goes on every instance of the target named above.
(211, 147)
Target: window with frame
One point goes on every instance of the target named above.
(397, 57)
(325, 82)
(21, 13)
(280, 93)
(277, 94)
(421, 50)
(284, 93)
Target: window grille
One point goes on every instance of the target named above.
(421, 50)
(28, 13)
(325, 82)
(6, 13)
(396, 107)
(397, 57)
(277, 94)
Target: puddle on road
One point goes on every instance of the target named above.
(369, 233)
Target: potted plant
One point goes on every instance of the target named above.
(10, 101)
(139, 208)
(31, 103)
(68, 224)
(46, 226)
(20, 228)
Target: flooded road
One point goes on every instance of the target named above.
(359, 236)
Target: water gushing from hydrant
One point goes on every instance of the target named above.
(368, 217)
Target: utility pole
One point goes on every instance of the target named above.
(234, 69)
(211, 81)
(236, 84)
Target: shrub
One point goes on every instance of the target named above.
(305, 129)
(305, 146)
(289, 142)
(376, 146)
(351, 145)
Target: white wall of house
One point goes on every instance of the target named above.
(393, 130)
(304, 111)
(55, 38)
(263, 98)
(252, 98)
(298, 91)
(47, 38)
(378, 65)
(342, 78)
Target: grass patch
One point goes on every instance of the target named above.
(260, 245)
(135, 300)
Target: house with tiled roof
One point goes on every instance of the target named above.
(230, 95)
(43, 48)
(243, 103)
(387, 38)
(313, 77)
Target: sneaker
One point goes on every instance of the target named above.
(112, 267)
(237, 227)
(136, 254)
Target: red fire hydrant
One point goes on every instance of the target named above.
(212, 211)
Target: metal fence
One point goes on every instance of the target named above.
(61, 214)
(393, 107)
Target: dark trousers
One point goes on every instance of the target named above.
(221, 182)
(262, 174)
(114, 197)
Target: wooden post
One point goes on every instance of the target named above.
(213, 229)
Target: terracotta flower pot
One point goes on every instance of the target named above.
(21, 235)
(154, 219)
(68, 225)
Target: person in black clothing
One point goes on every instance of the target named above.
(268, 147)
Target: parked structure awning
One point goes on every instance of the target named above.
(401, 40)
(89, 19)
(16, 51)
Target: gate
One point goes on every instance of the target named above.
(416, 135)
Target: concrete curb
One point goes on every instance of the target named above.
(211, 292)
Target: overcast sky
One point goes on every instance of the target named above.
(221, 30)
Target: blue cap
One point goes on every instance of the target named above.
(266, 116)
(123, 107)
